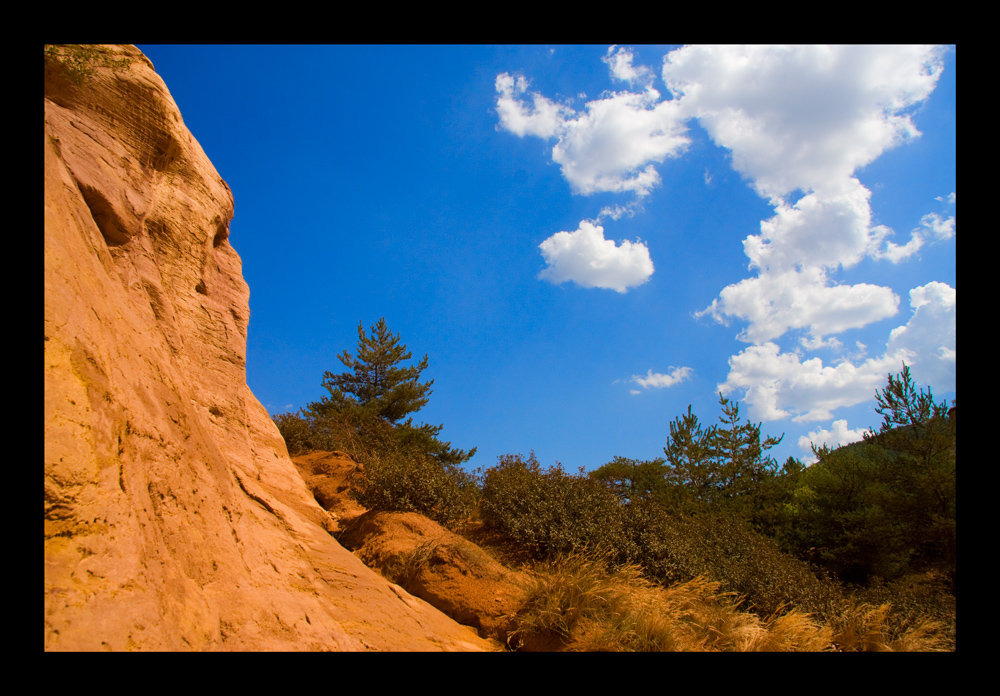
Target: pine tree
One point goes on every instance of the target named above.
(378, 385)
(377, 392)
(720, 463)
(690, 458)
(884, 506)
(913, 417)
(740, 452)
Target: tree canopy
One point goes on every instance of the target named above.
(378, 387)
(884, 506)
(721, 463)
(376, 383)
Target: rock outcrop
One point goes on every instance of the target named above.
(328, 476)
(174, 519)
(448, 571)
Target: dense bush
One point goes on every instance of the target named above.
(728, 551)
(352, 433)
(883, 508)
(547, 510)
(397, 471)
(403, 480)
(553, 513)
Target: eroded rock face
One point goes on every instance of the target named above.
(174, 519)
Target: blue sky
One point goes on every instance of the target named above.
(585, 240)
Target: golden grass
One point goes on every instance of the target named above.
(580, 603)
(865, 627)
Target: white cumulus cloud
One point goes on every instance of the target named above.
(585, 257)
(803, 117)
(779, 385)
(658, 381)
(941, 229)
(932, 227)
(929, 336)
(774, 303)
(831, 230)
(610, 146)
(620, 62)
(543, 119)
(838, 436)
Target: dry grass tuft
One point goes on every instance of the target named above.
(407, 568)
(866, 627)
(579, 603)
(794, 631)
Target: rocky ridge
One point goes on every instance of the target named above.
(174, 518)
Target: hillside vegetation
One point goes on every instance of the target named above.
(711, 547)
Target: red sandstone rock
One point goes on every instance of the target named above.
(174, 519)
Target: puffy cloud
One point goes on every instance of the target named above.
(794, 117)
(941, 229)
(622, 69)
(611, 146)
(829, 230)
(840, 435)
(792, 254)
(929, 336)
(803, 117)
(931, 227)
(657, 380)
(778, 385)
(896, 253)
(588, 259)
(773, 303)
(543, 119)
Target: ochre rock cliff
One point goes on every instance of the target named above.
(174, 519)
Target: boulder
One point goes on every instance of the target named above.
(443, 568)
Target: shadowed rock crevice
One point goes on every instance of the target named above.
(111, 226)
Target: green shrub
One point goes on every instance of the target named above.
(355, 434)
(295, 431)
(397, 473)
(884, 507)
(548, 511)
(76, 62)
(729, 551)
(396, 479)
(553, 513)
